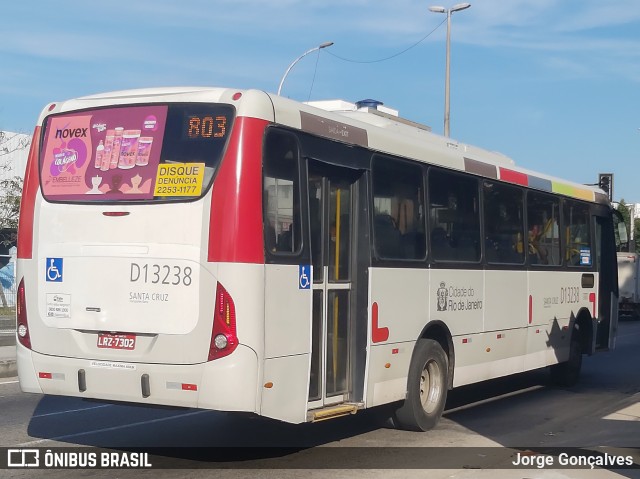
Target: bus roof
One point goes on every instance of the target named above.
(382, 130)
(368, 124)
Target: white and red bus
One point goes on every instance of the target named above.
(239, 251)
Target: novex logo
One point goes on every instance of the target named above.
(71, 133)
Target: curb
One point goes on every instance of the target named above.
(8, 363)
(8, 368)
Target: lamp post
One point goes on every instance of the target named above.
(449, 12)
(319, 47)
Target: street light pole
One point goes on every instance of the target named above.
(449, 12)
(319, 47)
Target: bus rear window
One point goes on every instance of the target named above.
(133, 153)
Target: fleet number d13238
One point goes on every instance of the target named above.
(161, 274)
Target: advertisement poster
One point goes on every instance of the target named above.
(105, 155)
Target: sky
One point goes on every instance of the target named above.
(553, 84)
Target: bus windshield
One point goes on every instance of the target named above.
(133, 153)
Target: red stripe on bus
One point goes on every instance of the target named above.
(514, 177)
(378, 334)
(592, 300)
(235, 226)
(28, 202)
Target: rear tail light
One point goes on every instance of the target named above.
(21, 313)
(223, 335)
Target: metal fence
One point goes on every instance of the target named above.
(8, 287)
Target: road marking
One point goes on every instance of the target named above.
(109, 429)
(492, 399)
(629, 413)
(71, 410)
(9, 382)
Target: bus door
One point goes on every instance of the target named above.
(338, 329)
(606, 265)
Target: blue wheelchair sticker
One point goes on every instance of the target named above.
(54, 270)
(304, 276)
(585, 257)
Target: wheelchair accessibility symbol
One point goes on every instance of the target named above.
(304, 276)
(54, 270)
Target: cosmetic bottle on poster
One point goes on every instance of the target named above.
(128, 149)
(97, 161)
(108, 149)
(144, 150)
(115, 151)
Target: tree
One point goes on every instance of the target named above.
(626, 214)
(10, 187)
(10, 195)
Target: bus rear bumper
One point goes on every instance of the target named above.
(226, 384)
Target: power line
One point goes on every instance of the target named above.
(395, 54)
(315, 71)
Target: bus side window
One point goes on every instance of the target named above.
(543, 237)
(577, 238)
(387, 236)
(454, 217)
(398, 225)
(504, 223)
(281, 194)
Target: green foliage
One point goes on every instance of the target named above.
(624, 211)
(10, 196)
(623, 208)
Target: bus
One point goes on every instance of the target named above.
(235, 250)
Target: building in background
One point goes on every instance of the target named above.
(14, 150)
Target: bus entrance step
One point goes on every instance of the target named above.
(331, 412)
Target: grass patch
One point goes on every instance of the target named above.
(9, 311)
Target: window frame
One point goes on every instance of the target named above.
(274, 255)
(453, 263)
(422, 222)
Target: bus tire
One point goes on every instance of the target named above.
(568, 372)
(426, 388)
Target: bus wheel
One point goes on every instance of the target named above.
(568, 373)
(426, 388)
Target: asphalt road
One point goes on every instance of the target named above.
(484, 427)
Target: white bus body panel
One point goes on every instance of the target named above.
(403, 308)
(227, 384)
(287, 344)
(96, 290)
(104, 287)
(629, 280)
(491, 331)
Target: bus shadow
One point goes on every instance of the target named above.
(598, 417)
(185, 438)
(521, 412)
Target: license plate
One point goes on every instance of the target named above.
(116, 341)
